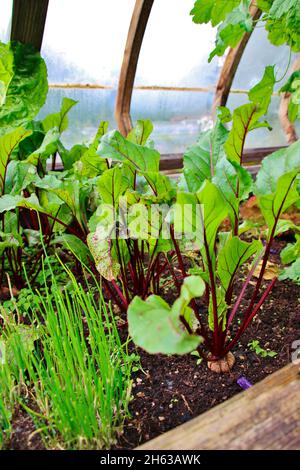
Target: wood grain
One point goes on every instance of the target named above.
(286, 124)
(134, 41)
(231, 64)
(28, 21)
(266, 416)
(251, 157)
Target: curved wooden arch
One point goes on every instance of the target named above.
(286, 124)
(231, 64)
(28, 21)
(134, 41)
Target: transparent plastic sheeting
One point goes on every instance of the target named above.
(175, 50)
(175, 116)
(5, 19)
(259, 53)
(93, 106)
(84, 40)
(263, 137)
(84, 43)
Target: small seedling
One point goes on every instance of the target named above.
(255, 346)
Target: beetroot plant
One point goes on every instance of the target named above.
(212, 313)
(126, 239)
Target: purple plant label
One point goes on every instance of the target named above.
(244, 383)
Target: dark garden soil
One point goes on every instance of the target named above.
(169, 391)
(172, 390)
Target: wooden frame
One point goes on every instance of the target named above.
(286, 124)
(231, 64)
(265, 417)
(251, 157)
(28, 21)
(134, 41)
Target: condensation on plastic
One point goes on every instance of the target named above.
(263, 137)
(84, 40)
(5, 20)
(258, 54)
(88, 48)
(175, 50)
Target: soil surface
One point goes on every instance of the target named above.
(172, 390)
(169, 391)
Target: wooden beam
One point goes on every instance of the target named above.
(172, 162)
(251, 157)
(286, 124)
(231, 64)
(135, 36)
(265, 417)
(28, 21)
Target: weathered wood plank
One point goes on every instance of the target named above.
(28, 21)
(286, 124)
(134, 41)
(251, 157)
(171, 162)
(231, 64)
(266, 416)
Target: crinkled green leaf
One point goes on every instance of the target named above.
(101, 131)
(224, 114)
(245, 119)
(156, 327)
(288, 86)
(8, 203)
(212, 10)
(87, 161)
(141, 132)
(274, 204)
(235, 184)
(214, 212)
(200, 160)
(232, 256)
(276, 165)
(261, 93)
(6, 70)
(113, 183)
(47, 148)
(101, 250)
(283, 23)
(27, 90)
(238, 22)
(280, 7)
(74, 244)
(69, 157)
(284, 225)
(8, 143)
(20, 340)
(67, 191)
(160, 184)
(292, 272)
(113, 145)
(9, 240)
(291, 252)
(59, 120)
(19, 175)
(193, 286)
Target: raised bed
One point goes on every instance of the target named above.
(266, 416)
(174, 392)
